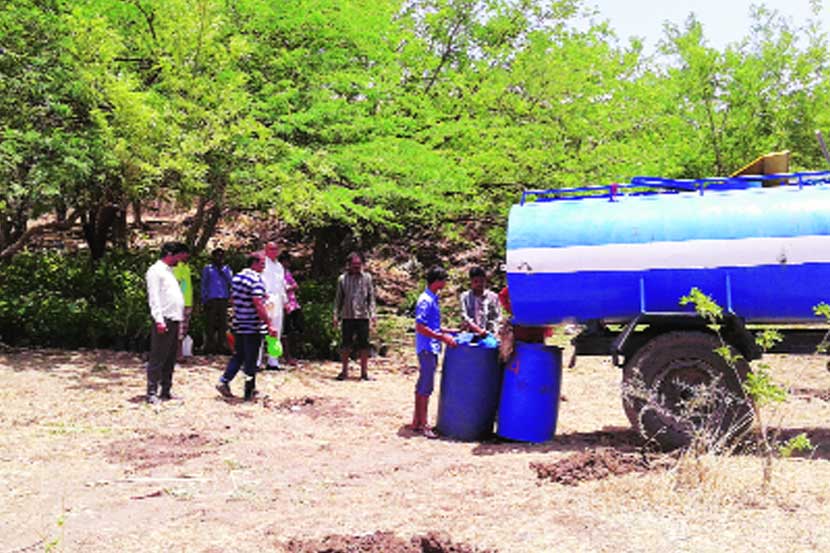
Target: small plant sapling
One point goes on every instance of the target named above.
(758, 385)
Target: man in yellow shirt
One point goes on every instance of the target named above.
(182, 274)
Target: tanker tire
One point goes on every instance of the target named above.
(663, 374)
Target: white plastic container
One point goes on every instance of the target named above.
(187, 346)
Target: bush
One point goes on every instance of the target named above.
(320, 339)
(64, 300)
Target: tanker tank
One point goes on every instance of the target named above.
(763, 253)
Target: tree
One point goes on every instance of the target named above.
(44, 147)
(761, 94)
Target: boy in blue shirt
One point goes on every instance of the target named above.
(428, 338)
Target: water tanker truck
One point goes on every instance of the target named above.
(617, 259)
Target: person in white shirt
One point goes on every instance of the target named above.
(274, 277)
(167, 310)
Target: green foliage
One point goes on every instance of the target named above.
(796, 444)
(768, 338)
(376, 117)
(61, 300)
(704, 305)
(823, 310)
(729, 355)
(758, 384)
(53, 544)
(761, 388)
(320, 339)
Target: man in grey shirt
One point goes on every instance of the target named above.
(480, 310)
(354, 309)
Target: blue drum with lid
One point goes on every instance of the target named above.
(529, 404)
(470, 380)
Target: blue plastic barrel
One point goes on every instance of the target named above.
(470, 381)
(529, 402)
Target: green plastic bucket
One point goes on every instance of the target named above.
(273, 345)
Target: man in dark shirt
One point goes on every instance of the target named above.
(216, 287)
(250, 322)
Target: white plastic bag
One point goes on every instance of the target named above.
(187, 346)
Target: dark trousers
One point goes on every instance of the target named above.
(162, 358)
(216, 325)
(246, 352)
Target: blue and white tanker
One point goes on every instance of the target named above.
(617, 259)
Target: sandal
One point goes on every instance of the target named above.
(429, 433)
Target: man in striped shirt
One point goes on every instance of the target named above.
(250, 322)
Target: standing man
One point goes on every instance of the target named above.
(216, 288)
(293, 326)
(354, 309)
(480, 310)
(274, 277)
(182, 273)
(429, 335)
(250, 322)
(167, 310)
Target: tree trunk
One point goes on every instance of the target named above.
(120, 233)
(19, 223)
(60, 211)
(208, 228)
(196, 223)
(5, 231)
(137, 214)
(97, 226)
(13, 225)
(13, 247)
(330, 249)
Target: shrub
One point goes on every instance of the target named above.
(320, 339)
(64, 300)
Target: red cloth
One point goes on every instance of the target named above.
(504, 300)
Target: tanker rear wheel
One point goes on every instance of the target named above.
(677, 388)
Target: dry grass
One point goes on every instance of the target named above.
(320, 457)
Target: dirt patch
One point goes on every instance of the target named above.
(382, 542)
(158, 450)
(595, 465)
(314, 407)
(810, 394)
(623, 439)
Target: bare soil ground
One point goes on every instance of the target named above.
(322, 465)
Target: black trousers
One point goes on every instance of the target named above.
(216, 325)
(163, 349)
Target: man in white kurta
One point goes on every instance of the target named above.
(167, 310)
(274, 278)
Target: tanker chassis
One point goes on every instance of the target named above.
(617, 259)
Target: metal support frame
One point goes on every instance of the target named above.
(598, 339)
